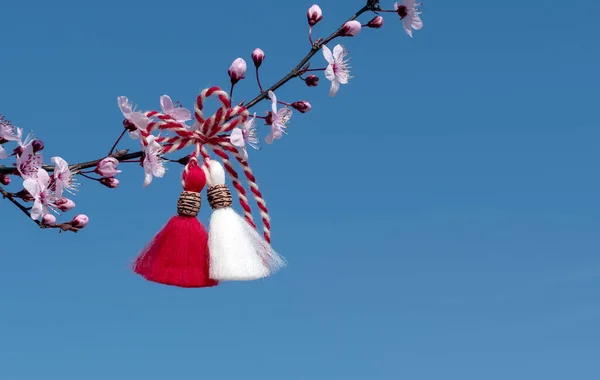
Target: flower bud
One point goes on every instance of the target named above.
(24, 195)
(237, 70)
(314, 15)
(18, 150)
(258, 56)
(301, 106)
(48, 220)
(3, 140)
(5, 179)
(109, 182)
(37, 145)
(79, 221)
(376, 22)
(107, 167)
(312, 80)
(129, 125)
(64, 204)
(350, 29)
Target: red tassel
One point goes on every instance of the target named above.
(178, 254)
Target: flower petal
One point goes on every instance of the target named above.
(166, 104)
(37, 211)
(237, 138)
(274, 101)
(327, 54)
(329, 74)
(338, 53)
(335, 86)
(269, 139)
(32, 186)
(124, 105)
(181, 114)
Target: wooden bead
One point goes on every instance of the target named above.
(189, 203)
(219, 196)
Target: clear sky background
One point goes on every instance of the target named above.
(440, 216)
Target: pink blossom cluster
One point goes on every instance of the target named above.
(46, 187)
(45, 191)
(336, 71)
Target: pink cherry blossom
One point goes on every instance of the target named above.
(279, 120)
(3, 153)
(338, 70)
(409, 14)
(179, 114)
(42, 196)
(63, 177)
(8, 132)
(138, 119)
(28, 162)
(246, 134)
(153, 163)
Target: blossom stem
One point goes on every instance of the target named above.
(310, 36)
(258, 81)
(116, 142)
(88, 177)
(231, 90)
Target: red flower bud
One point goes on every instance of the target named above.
(350, 29)
(107, 167)
(48, 220)
(24, 195)
(301, 106)
(128, 124)
(376, 22)
(5, 179)
(312, 80)
(314, 15)
(109, 182)
(64, 204)
(237, 70)
(258, 56)
(79, 221)
(37, 145)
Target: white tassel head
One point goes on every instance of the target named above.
(237, 251)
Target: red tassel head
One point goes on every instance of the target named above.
(193, 178)
(178, 254)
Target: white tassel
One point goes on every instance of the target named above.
(237, 251)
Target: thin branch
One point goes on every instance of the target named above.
(7, 195)
(123, 155)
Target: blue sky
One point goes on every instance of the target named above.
(440, 215)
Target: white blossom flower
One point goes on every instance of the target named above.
(338, 70)
(39, 189)
(153, 164)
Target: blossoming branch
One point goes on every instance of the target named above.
(44, 191)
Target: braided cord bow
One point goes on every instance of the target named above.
(211, 133)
